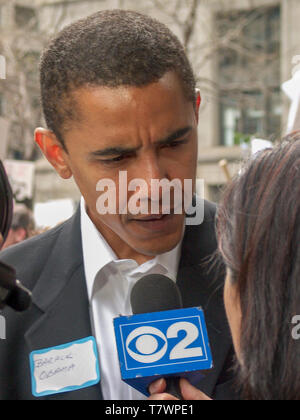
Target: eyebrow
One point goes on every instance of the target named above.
(174, 136)
(119, 150)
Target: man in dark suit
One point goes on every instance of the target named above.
(118, 96)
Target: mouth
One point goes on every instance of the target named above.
(150, 218)
(164, 213)
(155, 223)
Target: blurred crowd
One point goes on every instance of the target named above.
(22, 227)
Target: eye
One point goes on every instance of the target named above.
(146, 344)
(175, 144)
(117, 159)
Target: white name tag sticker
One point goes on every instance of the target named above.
(64, 368)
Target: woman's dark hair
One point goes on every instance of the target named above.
(6, 204)
(258, 228)
(109, 48)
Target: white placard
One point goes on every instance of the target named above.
(21, 175)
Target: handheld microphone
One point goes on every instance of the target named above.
(163, 295)
(161, 340)
(12, 292)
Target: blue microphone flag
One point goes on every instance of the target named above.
(163, 344)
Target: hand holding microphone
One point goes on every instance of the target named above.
(158, 391)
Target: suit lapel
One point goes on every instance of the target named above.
(200, 280)
(64, 306)
(197, 276)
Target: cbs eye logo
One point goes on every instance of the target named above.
(148, 344)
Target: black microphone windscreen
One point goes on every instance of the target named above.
(19, 299)
(155, 293)
(7, 276)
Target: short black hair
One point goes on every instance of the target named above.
(109, 48)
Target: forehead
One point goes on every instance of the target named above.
(113, 111)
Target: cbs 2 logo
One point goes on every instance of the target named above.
(149, 344)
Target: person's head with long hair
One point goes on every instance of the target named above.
(258, 228)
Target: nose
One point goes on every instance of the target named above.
(151, 168)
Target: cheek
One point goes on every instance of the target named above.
(86, 178)
(233, 313)
(192, 159)
(112, 221)
(183, 165)
(228, 302)
(88, 190)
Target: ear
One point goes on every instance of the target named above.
(198, 103)
(54, 151)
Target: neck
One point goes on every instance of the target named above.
(122, 250)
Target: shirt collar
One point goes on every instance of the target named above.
(96, 251)
(97, 254)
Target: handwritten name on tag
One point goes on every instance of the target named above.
(64, 368)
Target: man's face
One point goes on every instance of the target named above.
(151, 133)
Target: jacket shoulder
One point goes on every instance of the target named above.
(29, 257)
(210, 210)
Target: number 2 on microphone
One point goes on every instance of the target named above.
(180, 350)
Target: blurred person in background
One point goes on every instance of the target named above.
(22, 226)
(258, 229)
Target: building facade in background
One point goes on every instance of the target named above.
(241, 50)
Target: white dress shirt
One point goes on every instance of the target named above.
(109, 284)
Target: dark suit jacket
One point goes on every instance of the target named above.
(51, 265)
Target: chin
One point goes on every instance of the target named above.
(158, 247)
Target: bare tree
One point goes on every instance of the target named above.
(21, 45)
(210, 32)
(240, 64)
